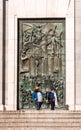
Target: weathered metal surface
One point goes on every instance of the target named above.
(41, 60)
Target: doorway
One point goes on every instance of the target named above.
(41, 59)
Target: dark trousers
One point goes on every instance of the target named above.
(52, 105)
(39, 105)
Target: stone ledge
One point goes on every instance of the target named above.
(33, 111)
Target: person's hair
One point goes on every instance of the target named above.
(52, 89)
(38, 84)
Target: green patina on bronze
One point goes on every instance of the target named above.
(41, 59)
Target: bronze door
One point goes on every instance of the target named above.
(41, 59)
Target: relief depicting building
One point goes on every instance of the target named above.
(38, 44)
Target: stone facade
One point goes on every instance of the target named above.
(41, 9)
(1, 50)
(77, 54)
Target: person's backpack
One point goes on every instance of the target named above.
(51, 97)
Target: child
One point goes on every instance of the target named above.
(38, 97)
(52, 98)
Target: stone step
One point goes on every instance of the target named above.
(40, 120)
(40, 114)
(41, 124)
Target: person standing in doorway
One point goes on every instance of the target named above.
(38, 97)
(52, 98)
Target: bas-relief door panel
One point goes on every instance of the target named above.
(41, 59)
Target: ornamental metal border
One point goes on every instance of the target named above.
(41, 60)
